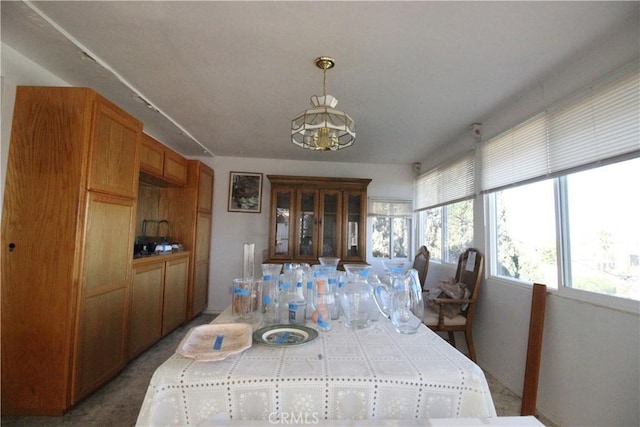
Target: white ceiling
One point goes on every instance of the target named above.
(232, 75)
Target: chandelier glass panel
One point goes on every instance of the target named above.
(323, 127)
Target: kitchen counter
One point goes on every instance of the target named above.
(150, 259)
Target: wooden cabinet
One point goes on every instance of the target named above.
(158, 299)
(174, 307)
(191, 212)
(160, 165)
(313, 217)
(145, 325)
(67, 234)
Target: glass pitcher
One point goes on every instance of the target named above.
(401, 303)
(270, 293)
(356, 296)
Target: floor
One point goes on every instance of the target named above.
(118, 403)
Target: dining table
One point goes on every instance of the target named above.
(374, 374)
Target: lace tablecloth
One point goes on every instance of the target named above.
(373, 373)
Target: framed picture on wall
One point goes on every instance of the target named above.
(245, 192)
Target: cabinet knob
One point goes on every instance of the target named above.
(12, 246)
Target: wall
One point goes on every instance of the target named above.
(231, 229)
(590, 369)
(17, 70)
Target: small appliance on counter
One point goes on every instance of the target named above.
(154, 245)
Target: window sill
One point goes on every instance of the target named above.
(599, 300)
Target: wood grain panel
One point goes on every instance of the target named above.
(148, 207)
(205, 190)
(151, 156)
(114, 150)
(200, 296)
(108, 243)
(101, 343)
(145, 326)
(175, 168)
(203, 237)
(175, 294)
(41, 217)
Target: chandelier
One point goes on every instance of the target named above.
(322, 127)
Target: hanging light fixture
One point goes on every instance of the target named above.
(322, 127)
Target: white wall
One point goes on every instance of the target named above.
(231, 229)
(590, 369)
(17, 70)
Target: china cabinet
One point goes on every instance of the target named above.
(313, 217)
(67, 234)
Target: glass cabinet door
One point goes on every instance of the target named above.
(330, 223)
(355, 220)
(281, 202)
(307, 224)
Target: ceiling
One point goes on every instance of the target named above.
(226, 78)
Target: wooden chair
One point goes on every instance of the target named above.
(421, 263)
(470, 275)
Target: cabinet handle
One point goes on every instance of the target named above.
(12, 246)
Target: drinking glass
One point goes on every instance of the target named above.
(241, 306)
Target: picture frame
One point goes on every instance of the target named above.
(245, 192)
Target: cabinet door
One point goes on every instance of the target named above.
(354, 219)
(306, 225)
(281, 247)
(330, 213)
(145, 325)
(102, 343)
(175, 168)
(175, 294)
(105, 288)
(114, 150)
(205, 190)
(200, 290)
(151, 156)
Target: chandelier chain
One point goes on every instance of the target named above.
(324, 81)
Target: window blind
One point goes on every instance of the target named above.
(594, 125)
(392, 208)
(448, 183)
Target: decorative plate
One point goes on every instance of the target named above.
(284, 335)
(209, 343)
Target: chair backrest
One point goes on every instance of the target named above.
(421, 263)
(469, 272)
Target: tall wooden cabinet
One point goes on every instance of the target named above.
(313, 217)
(67, 235)
(192, 208)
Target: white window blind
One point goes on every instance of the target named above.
(391, 208)
(448, 183)
(594, 125)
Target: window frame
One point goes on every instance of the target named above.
(563, 255)
(444, 237)
(391, 206)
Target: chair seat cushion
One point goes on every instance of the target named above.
(430, 318)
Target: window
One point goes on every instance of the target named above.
(561, 197)
(603, 211)
(444, 201)
(595, 224)
(447, 230)
(391, 225)
(525, 233)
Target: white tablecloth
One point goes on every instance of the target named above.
(345, 374)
